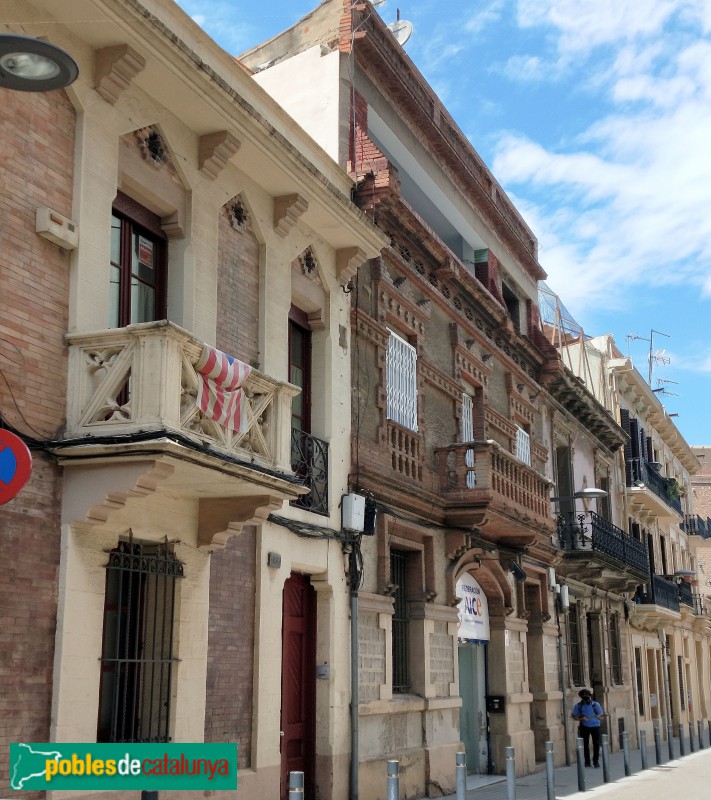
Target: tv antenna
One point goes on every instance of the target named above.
(661, 387)
(401, 29)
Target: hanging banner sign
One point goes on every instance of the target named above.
(15, 465)
(473, 610)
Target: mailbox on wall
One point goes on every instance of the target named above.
(495, 704)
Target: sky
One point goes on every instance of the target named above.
(595, 117)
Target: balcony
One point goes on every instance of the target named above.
(132, 394)
(601, 552)
(695, 525)
(483, 485)
(656, 603)
(309, 460)
(651, 492)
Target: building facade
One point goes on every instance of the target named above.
(177, 566)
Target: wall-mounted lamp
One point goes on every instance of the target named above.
(486, 357)
(517, 571)
(398, 282)
(564, 598)
(572, 530)
(32, 65)
(520, 387)
(469, 343)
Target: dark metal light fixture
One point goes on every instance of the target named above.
(32, 65)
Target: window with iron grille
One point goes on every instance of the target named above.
(680, 670)
(137, 653)
(467, 433)
(574, 647)
(615, 656)
(523, 446)
(400, 626)
(401, 382)
(640, 678)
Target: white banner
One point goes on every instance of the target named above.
(473, 610)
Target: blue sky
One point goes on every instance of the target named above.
(595, 116)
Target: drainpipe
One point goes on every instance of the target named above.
(561, 669)
(353, 571)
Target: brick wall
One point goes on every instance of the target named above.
(238, 290)
(228, 712)
(37, 139)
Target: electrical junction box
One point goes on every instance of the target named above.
(353, 512)
(56, 228)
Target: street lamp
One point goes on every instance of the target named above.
(33, 65)
(571, 526)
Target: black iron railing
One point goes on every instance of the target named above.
(309, 460)
(686, 595)
(695, 525)
(601, 536)
(665, 593)
(639, 471)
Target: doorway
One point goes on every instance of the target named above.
(298, 682)
(473, 717)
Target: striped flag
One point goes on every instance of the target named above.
(220, 395)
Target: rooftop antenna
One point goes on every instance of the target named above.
(660, 357)
(401, 29)
(661, 388)
(632, 337)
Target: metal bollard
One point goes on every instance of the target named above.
(510, 773)
(461, 776)
(581, 764)
(393, 779)
(605, 747)
(682, 740)
(692, 743)
(626, 752)
(670, 740)
(700, 726)
(643, 748)
(550, 771)
(296, 785)
(658, 744)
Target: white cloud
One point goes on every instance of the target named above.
(487, 15)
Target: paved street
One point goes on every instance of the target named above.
(687, 776)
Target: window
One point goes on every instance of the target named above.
(615, 655)
(300, 369)
(137, 653)
(513, 305)
(467, 433)
(401, 382)
(137, 291)
(523, 446)
(400, 626)
(640, 678)
(574, 648)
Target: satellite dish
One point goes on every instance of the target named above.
(401, 30)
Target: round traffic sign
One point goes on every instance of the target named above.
(15, 465)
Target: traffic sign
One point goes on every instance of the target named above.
(15, 465)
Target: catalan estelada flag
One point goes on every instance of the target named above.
(220, 396)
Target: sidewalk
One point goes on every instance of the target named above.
(533, 787)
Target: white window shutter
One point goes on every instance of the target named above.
(467, 433)
(523, 446)
(401, 382)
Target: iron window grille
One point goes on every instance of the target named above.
(400, 623)
(640, 679)
(309, 460)
(523, 446)
(137, 654)
(615, 659)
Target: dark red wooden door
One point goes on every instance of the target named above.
(298, 682)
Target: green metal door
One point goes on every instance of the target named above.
(473, 719)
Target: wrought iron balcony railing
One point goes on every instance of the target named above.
(142, 378)
(601, 536)
(309, 460)
(686, 594)
(641, 473)
(695, 525)
(665, 593)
